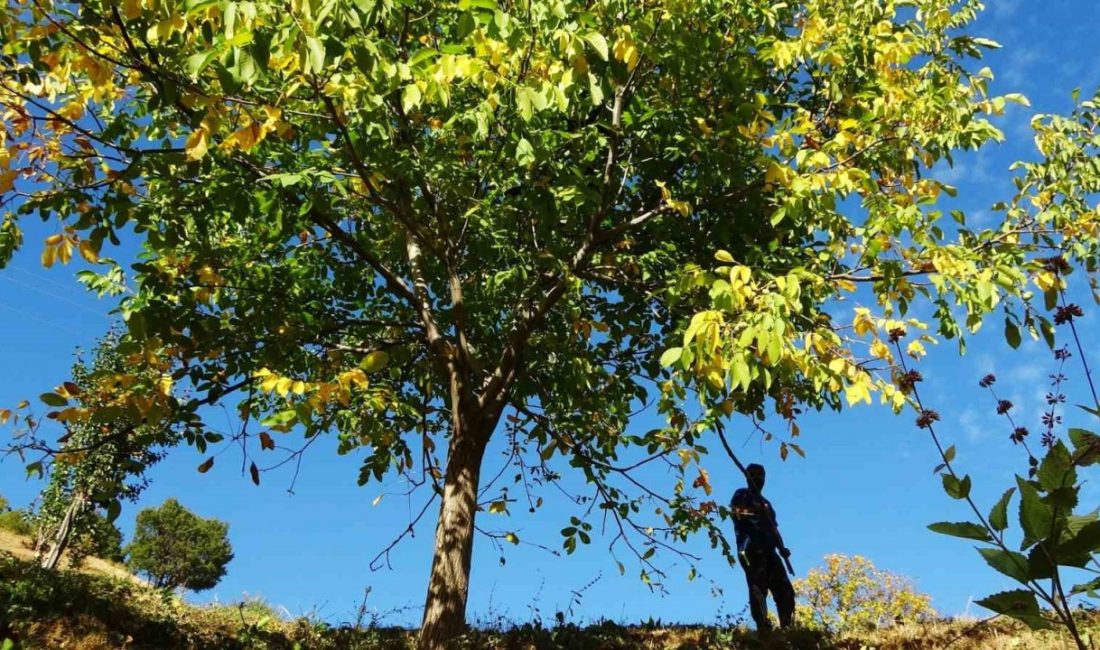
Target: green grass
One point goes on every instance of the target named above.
(92, 611)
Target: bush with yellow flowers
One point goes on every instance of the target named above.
(848, 594)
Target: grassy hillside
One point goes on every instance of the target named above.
(102, 606)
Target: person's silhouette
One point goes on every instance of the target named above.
(758, 539)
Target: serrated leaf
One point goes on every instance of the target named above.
(1086, 587)
(1039, 565)
(998, 516)
(1085, 540)
(956, 488)
(1019, 604)
(1010, 563)
(1056, 470)
(1035, 516)
(963, 529)
(1086, 447)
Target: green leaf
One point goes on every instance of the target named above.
(998, 516)
(1086, 587)
(524, 102)
(114, 509)
(949, 454)
(671, 356)
(281, 418)
(956, 488)
(525, 153)
(1012, 334)
(316, 55)
(1010, 563)
(1086, 540)
(1019, 604)
(1039, 566)
(1035, 516)
(1086, 447)
(598, 43)
(410, 97)
(963, 529)
(1056, 470)
(196, 63)
(53, 399)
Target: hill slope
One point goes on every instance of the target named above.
(102, 606)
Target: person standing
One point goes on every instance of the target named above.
(758, 540)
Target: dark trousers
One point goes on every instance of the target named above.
(764, 573)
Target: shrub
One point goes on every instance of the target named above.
(850, 595)
(174, 547)
(16, 521)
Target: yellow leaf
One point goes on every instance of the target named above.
(5, 415)
(498, 507)
(131, 9)
(862, 322)
(511, 538)
(626, 50)
(282, 386)
(49, 256)
(859, 390)
(245, 137)
(65, 251)
(915, 349)
(880, 350)
(1047, 280)
(53, 240)
(7, 180)
(74, 110)
(298, 388)
(375, 360)
(88, 251)
(704, 127)
(197, 144)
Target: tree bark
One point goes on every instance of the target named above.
(449, 583)
(64, 533)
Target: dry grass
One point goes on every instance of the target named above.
(22, 548)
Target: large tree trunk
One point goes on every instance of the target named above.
(448, 586)
(64, 532)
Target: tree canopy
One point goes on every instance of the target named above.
(100, 461)
(176, 548)
(404, 220)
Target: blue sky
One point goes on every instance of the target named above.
(866, 485)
